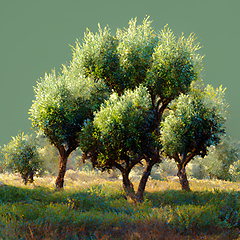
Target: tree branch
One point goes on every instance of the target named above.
(135, 161)
(176, 158)
(190, 157)
(119, 167)
(196, 150)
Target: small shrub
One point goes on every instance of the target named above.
(21, 156)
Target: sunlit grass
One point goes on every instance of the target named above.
(92, 206)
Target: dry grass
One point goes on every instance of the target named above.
(82, 179)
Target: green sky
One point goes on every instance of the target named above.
(35, 38)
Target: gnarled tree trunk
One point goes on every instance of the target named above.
(183, 177)
(127, 185)
(143, 182)
(146, 173)
(62, 167)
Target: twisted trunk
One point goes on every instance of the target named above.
(143, 182)
(127, 185)
(62, 166)
(146, 173)
(183, 177)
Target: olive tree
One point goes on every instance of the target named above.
(195, 122)
(163, 64)
(221, 157)
(121, 133)
(21, 155)
(62, 104)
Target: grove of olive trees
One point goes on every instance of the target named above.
(129, 97)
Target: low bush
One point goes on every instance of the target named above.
(21, 156)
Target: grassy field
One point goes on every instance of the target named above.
(92, 206)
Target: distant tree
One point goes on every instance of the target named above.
(136, 56)
(21, 156)
(234, 171)
(197, 168)
(62, 104)
(195, 122)
(221, 157)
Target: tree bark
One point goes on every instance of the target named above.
(62, 167)
(84, 157)
(183, 177)
(127, 185)
(143, 182)
(25, 178)
(28, 177)
(146, 173)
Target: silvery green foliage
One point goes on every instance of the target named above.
(136, 46)
(175, 65)
(48, 154)
(195, 118)
(234, 171)
(197, 169)
(63, 103)
(168, 168)
(222, 159)
(121, 127)
(75, 159)
(139, 55)
(216, 167)
(21, 155)
(97, 57)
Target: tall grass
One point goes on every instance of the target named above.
(92, 206)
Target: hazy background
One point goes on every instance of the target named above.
(35, 38)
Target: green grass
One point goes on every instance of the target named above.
(92, 206)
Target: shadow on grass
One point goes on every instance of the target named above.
(101, 212)
(197, 198)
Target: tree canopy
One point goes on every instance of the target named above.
(139, 57)
(123, 125)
